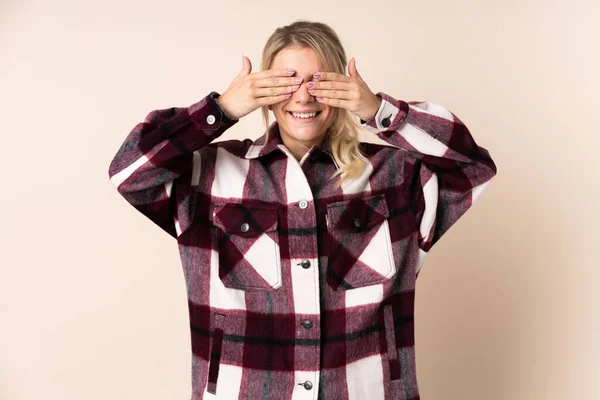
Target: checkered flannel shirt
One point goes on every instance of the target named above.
(296, 289)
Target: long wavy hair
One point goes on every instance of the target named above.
(343, 132)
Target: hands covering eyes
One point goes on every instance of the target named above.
(249, 91)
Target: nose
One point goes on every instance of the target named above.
(302, 95)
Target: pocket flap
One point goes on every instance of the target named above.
(358, 214)
(245, 220)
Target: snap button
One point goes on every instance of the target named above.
(245, 227)
(210, 119)
(305, 264)
(386, 121)
(357, 222)
(303, 204)
(307, 385)
(307, 324)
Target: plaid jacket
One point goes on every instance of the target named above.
(299, 290)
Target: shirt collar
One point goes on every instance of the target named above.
(263, 146)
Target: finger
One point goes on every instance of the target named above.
(331, 85)
(339, 103)
(333, 94)
(277, 81)
(246, 66)
(352, 69)
(274, 91)
(267, 101)
(331, 76)
(270, 73)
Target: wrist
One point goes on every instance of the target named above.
(224, 108)
(371, 111)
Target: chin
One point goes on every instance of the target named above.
(304, 135)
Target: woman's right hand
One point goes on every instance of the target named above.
(249, 91)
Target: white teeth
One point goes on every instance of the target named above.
(304, 115)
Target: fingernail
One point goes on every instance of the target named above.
(291, 70)
(317, 75)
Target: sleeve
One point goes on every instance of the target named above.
(154, 167)
(452, 169)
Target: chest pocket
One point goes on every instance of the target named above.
(359, 244)
(247, 242)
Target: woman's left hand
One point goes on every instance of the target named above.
(343, 91)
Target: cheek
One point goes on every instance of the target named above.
(278, 111)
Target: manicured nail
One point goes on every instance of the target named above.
(317, 75)
(291, 70)
(319, 98)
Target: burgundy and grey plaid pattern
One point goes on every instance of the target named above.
(298, 290)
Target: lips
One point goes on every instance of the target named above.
(303, 119)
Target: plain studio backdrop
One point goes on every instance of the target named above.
(92, 294)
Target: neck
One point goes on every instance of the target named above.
(300, 148)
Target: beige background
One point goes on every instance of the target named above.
(92, 295)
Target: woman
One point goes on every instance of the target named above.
(301, 249)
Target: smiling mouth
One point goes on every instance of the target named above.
(303, 119)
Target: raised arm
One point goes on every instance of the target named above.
(157, 165)
(154, 167)
(453, 169)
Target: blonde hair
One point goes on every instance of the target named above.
(344, 129)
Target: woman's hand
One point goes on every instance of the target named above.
(249, 91)
(343, 91)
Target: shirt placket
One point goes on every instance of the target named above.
(305, 279)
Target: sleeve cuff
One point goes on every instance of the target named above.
(212, 97)
(362, 121)
(390, 113)
(208, 116)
